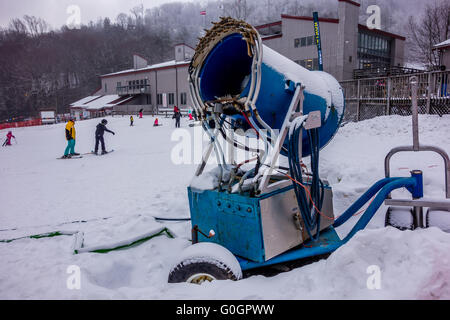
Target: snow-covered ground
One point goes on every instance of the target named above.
(139, 181)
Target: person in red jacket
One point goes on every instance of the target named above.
(8, 139)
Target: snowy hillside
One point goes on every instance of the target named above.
(119, 195)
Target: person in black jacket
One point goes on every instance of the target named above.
(177, 117)
(101, 128)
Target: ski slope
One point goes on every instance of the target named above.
(119, 195)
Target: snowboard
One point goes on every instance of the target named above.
(100, 154)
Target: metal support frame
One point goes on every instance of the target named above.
(418, 204)
(295, 110)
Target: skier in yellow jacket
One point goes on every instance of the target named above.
(70, 137)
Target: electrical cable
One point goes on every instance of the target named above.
(310, 210)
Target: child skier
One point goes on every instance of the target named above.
(8, 139)
(131, 121)
(155, 124)
(70, 137)
(101, 128)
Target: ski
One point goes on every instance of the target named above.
(74, 157)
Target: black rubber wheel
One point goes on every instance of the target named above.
(198, 272)
(395, 217)
(197, 266)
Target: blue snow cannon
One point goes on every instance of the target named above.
(259, 211)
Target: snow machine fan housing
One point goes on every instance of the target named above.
(232, 73)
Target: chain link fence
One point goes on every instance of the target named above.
(369, 98)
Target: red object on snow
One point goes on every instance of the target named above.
(8, 138)
(140, 115)
(156, 122)
(190, 117)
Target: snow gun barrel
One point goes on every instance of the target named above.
(232, 75)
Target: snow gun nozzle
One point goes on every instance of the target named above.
(417, 189)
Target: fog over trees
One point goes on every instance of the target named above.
(45, 68)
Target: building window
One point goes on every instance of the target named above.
(303, 42)
(373, 50)
(310, 64)
(159, 99)
(183, 98)
(106, 87)
(149, 99)
(171, 98)
(119, 84)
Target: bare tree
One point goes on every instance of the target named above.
(17, 25)
(238, 9)
(122, 20)
(138, 13)
(36, 26)
(428, 31)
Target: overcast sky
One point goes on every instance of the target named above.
(55, 11)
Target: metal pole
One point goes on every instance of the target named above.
(417, 210)
(417, 217)
(388, 104)
(415, 113)
(429, 93)
(318, 40)
(359, 102)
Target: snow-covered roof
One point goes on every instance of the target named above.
(445, 43)
(81, 102)
(166, 64)
(99, 102)
(116, 102)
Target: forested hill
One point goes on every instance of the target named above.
(43, 67)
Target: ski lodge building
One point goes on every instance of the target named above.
(347, 46)
(443, 50)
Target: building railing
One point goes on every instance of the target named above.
(368, 98)
(124, 110)
(136, 89)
